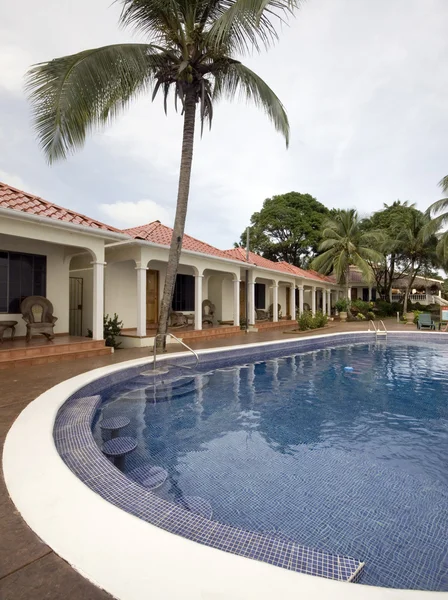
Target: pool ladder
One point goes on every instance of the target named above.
(180, 342)
(377, 330)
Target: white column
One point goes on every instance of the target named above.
(141, 301)
(428, 295)
(313, 300)
(300, 288)
(292, 302)
(275, 303)
(349, 293)
(324, 301)
(236, 302)
(370, 294)
(198, 301)
(98, 300)
(251, 300)
(328, 302)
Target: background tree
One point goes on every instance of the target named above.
(440, 220)
(288, 228)
(390, 221)
(191, 50)
(345, 243)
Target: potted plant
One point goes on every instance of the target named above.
(342, 306)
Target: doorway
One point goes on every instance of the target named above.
(75, 305)
(242, 300)
(152, 297)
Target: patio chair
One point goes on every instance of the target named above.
(178, 319)
(262, 315)
(425, 322)
(37, 312)
(208, 312)
(271, 311)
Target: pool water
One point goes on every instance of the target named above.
(349, 461)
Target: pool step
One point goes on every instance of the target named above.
(163, 390)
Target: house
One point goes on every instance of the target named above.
(425, 290)
(87, 268)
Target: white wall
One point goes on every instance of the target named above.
(282, 299)
(57, 280)
(215, 295)
(121, 292)
(227, 300)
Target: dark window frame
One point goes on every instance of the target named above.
(184, 294)
(21, 274)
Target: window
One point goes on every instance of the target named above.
(183, 299)
(260, 295)
(21, 275)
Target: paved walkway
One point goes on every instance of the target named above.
(30, 570)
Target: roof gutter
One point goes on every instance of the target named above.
(49, 222)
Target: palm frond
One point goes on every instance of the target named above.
(438, 206)
(73, 94)
(243, 25)
(444, 184)
(160, 20)
(236, 78)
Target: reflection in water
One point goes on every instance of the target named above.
(350, 462)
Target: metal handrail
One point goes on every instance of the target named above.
(180, 342)
(376, 329)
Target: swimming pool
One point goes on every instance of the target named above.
(352, 462)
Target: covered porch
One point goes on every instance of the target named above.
(134, 283)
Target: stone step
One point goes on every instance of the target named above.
(48, 349)
(44, 359)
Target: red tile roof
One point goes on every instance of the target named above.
(161, 234)
(284, 267)
(154, 232)
(28, 203)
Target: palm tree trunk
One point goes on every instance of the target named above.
(181, 212)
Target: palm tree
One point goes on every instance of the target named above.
(418, 249)
(439, 220)
(191, 50)
(345, 243)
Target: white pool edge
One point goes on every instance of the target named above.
(130, 558)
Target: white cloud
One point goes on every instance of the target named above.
(14, 181)
(131, 214)
(365, 98)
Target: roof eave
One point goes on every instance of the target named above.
(49, 222)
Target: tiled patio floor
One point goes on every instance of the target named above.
(29, 570)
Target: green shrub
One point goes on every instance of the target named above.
(360, 317)
(111, 329)
(304, 321)
(360, 306)
(386, 309)
(370, 315)
(320, 319)
(342, 305)
(307, 321)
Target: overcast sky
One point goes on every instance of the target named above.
(365, 84)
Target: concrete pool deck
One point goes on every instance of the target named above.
(29, 569)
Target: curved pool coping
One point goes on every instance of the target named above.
(131, 558)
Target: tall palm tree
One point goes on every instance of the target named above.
(440, 220)
(345, 243)
(418, 249)
(192, 50)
